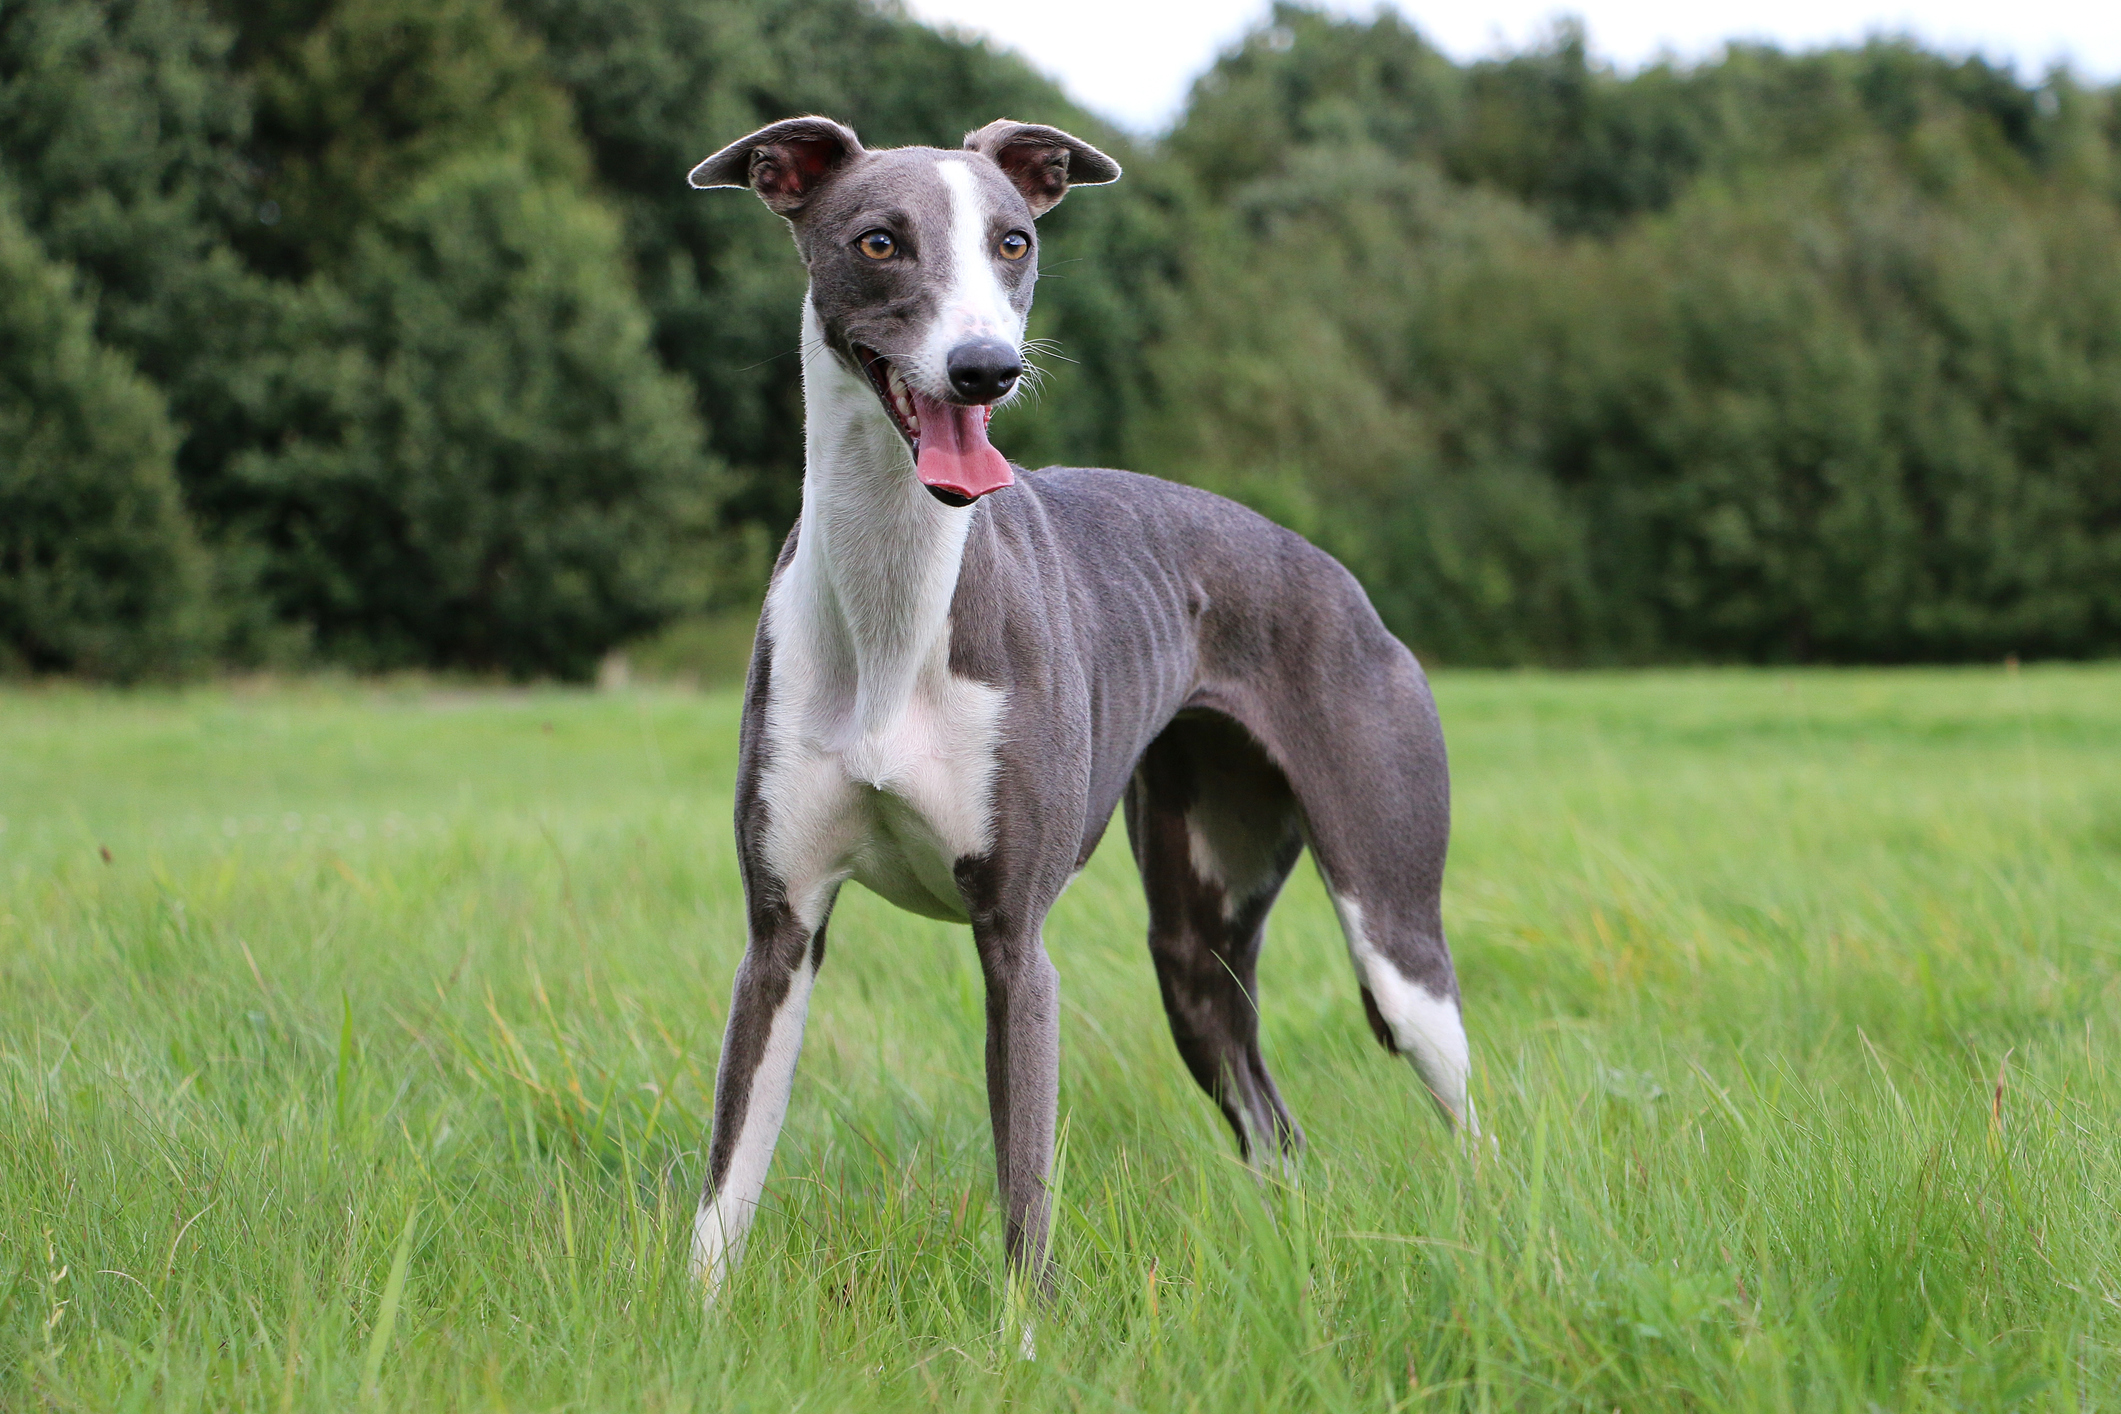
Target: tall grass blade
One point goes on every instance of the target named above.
(387, 1312)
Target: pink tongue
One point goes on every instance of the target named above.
(955, 454)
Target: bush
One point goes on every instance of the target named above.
(455, 445)
(1775, 359)
(496, 471)
(1781, 356)
(99, 570)
(124, 126)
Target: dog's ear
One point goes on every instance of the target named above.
(785, 164)
(1043, 162)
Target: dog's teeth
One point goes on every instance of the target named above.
(901, 400)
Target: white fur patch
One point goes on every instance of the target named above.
(1200, 851)
(1239, 860)
(975, 305)
(1210, 868)
(879, 761)
(1426, 1029)
(719, 1229)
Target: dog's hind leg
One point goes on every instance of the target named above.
(1410, 1015)
(1367, 764)
(1215, 831)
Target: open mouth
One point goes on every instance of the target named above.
(951, 453)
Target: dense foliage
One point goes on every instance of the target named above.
(1775, 357)
(99, 569)
(1778, 358)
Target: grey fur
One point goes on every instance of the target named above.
(1157, 646)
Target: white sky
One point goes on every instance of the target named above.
(1132, 60)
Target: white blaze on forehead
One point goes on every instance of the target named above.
(975, 303)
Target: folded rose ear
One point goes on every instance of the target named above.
(1043, 162)
(785, 164)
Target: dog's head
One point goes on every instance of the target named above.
(921, 266)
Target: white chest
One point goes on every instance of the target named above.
(877, 763)
(889, 790)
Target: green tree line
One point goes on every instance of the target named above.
(386, 333)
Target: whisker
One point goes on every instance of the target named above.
(1050, 347)
(771, 358)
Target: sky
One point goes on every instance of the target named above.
(1133, 60)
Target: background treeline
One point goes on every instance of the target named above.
(386, 333)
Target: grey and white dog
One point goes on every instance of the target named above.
(962, 668)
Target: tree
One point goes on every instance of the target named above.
(495, 471)
(123, 128)
(99, 570)
(1776, 357)
(474, 457)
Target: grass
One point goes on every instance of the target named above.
(356, 1045)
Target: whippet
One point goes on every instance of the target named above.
(962, 668)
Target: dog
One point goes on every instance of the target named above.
(963, 668)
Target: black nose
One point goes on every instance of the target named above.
(981, 370)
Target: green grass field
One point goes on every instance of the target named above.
(356, 1045)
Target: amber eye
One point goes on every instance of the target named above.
(877, 245)
(1015, 245)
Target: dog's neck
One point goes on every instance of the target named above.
(876, 558)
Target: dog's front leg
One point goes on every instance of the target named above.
(759, 1049)
(1023, 1089)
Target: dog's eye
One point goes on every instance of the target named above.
(877, 245)
(1015, 245)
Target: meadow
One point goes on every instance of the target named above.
(356, 1046)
